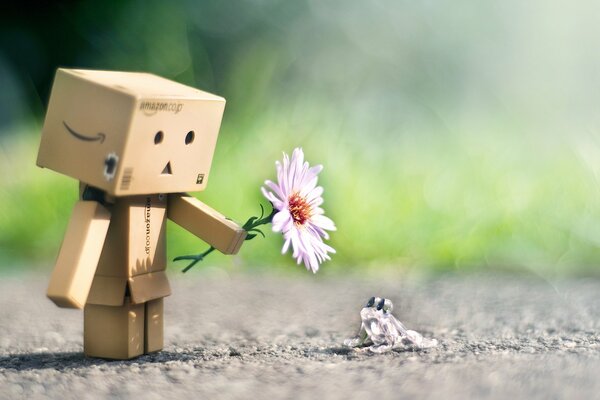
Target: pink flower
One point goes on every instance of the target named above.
(297, 199)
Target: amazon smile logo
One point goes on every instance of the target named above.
(98, 138)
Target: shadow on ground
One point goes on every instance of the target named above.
(75, 360)
(64, 361)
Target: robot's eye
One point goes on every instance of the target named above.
(158, 137)
(189, 138)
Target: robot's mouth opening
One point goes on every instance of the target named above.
(167, 169)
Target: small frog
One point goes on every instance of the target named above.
(380, 331)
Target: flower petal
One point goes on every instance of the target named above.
(314, 194)
(323, 222)
(278, 204)
(286, 245)
(281, 219)
(276, 189)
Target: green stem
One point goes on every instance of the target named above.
(251, 227)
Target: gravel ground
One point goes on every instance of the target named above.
(245, 336)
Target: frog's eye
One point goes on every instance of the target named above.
(371, 302)
(381, 304)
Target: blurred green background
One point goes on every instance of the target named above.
(454, 134)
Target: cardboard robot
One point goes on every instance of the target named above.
(136, 142)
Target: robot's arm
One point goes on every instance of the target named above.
(79, 254)
(206, 223)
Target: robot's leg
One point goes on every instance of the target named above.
(113, 332)
(153, 340)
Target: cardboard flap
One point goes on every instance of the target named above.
(150, 286)
(108, 291)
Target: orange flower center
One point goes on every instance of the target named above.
(299, 208)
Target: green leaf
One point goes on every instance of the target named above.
(190, 257)
(249, 224)
(257, 231)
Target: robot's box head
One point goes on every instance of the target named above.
(130, 133)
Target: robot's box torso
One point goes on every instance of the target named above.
(133, 258)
